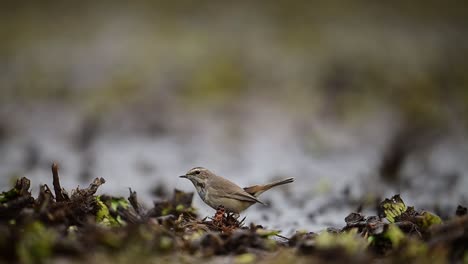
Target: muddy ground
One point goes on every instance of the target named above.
(84, 225)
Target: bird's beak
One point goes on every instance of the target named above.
(183, 176)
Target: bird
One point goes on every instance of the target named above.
(217, 191)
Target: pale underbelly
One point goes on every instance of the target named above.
(231, 205)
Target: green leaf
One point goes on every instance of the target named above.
(429, 219)
(103, 215)
(9, 195)
(393, 208)
(267, 233)
(116, 202)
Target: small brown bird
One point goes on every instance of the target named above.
(215, 190)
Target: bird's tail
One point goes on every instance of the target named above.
(256, 190)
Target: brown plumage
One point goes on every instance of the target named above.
(215, 190)
(256, 190)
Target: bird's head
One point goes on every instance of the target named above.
(199, 177)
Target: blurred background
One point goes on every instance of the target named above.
(357, 100)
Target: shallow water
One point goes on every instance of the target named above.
(332, 168)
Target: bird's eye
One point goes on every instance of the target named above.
(197, 172)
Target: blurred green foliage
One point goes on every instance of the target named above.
(350, 241)
(347, 58)
(221, 78)
(36, 243)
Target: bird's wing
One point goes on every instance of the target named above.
(243, 196)
(232, 190)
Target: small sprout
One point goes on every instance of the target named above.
(392, 208)
(267, 233)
